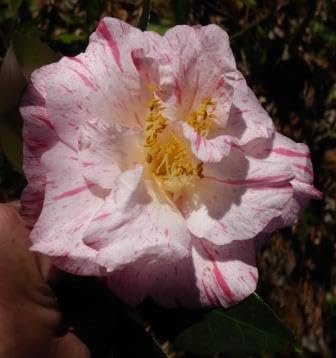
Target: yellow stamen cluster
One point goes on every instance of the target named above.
(155, 124)
(167, 156)
(202, 119)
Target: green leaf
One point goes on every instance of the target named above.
(25, 54)
(145, 15)
(31, 52)
(248, 328)
(12, 82)
(11, 139)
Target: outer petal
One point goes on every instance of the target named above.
(225, 274)
(39, 136)
(100, 83)
(43, 78)
(64, 96)
(247, 120)
(69, 205)
(139, 238)
(169, 282)
(255, 185)
(128, 95)
(236, 213)
(285, 150)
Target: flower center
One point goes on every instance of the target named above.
(168, 158)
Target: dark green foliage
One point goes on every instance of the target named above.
(248, 328)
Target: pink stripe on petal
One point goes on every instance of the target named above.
(287, 187)
(222, 283)
(75, 229)
(316, 193)
(103, 29)
(101, 217)
(198, 142)
(223, 226)
(73, 192)
(86, 80)
(219, 277)
(263, 180)
(177, 91)
(304, 168)
(78, 60)
(88, 164)
(43, 120)
(289, 153)
(254, 277)
(67, 89)
(220, 83)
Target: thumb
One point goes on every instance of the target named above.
(69, 346)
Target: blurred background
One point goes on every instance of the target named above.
(286, 50)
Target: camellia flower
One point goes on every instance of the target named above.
(151, 163)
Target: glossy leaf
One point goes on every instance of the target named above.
(12, 82)
(10, 138)
(31, 52)
(25, 54)
(248, 328)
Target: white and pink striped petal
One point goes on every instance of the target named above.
(225, 274)
(69, 205)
